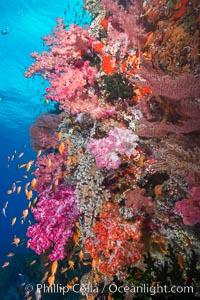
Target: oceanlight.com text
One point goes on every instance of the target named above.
(113, 288)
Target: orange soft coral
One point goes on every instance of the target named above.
(116, 244)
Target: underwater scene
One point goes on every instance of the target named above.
(99, 153)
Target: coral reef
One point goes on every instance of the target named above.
(117, 171)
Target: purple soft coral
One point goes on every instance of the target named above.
(55, 216)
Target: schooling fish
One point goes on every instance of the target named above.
(44, 278)
(24, 214)
(13, 221)
(5, 264)
(20, 154)
(51, 280)
(29, 164)
(10, 254)
(54, 267)
(6, 204)
(16, 241)
(4, 212)
(18, 189)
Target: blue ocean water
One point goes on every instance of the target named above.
(22, 24)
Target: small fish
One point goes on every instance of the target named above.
(21, 166)
(186, 238)
(16, 241)
(9, 192)
(59, 135)
(49, 163)
(19, 189)
(33, 183)
(51, 280)
(76, 239)
(63, 270)
(24, 214)
(27, 185)
(181, 262)
(44, 278)
(33, 262)
(14, 187)
(54, 267)
(81, 255)
(25, 176)
(85, 263)
(20, 154)
(35, 200)
(4, 212)
(71, 283)
(5, 264)
(29, 164)
(71, 264)
(13, 221)
(10, 254)
(61, 148)
(6, 204)
(39, 153)
(29, 194)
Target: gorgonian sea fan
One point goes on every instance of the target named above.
(55, 215)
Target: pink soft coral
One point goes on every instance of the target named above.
(119, 141)
(190, 208)
(55, 215)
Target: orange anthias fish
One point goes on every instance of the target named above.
(24, 214)
(61, 148)
(13, 221)
(33, 183)
(10, 254)
(51, 280)
(49, 163)
(29, 194)
(44, 278)
(181, 262)
(5, 264)
(76, 239)
(18, 189)
(81, 255)
(59, 135)
(16, 241)
(54, 267)
(29, 164)
(21, 154)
